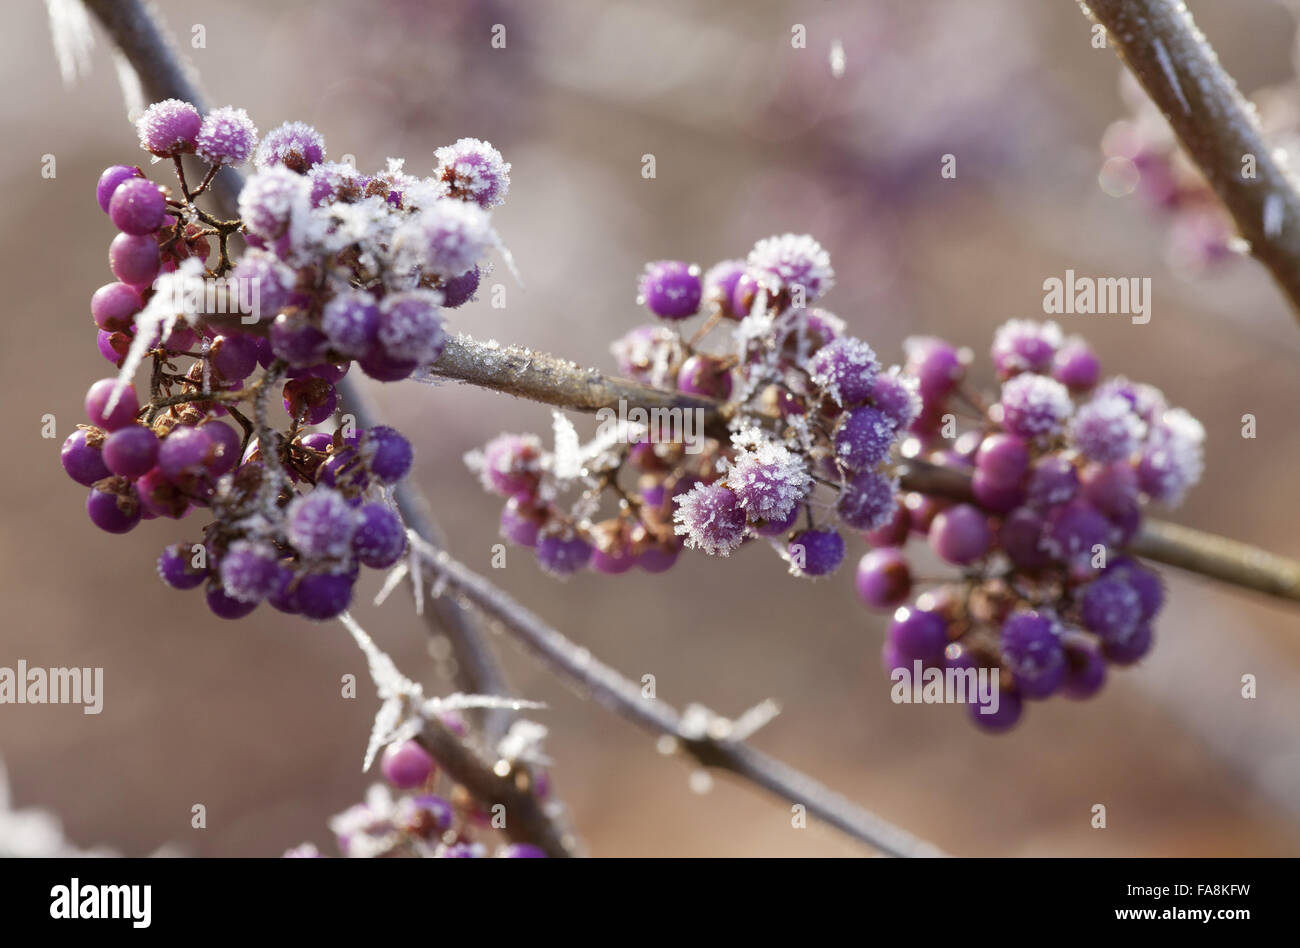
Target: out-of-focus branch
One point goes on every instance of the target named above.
(625, 698)
(1170, 57)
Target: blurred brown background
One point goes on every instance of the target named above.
(751, 138)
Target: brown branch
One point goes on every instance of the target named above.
(625, 698)
(1170, 57)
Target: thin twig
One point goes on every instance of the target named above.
(1170, 57)
(626, 699)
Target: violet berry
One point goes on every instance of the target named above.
(134, 259)
(845, 370)
(224, 606)
(768, 480)
(816, 552)
(131, 451)
(864, 438)
(249, 570)
(98, 398)
(884, 578)
(960, 534)
(108, 181)
(380, 538)
(391, 455)
(137, 207)
(670, 289)
(917, 635)
(1035, 405)
(1076, 366)
(719, 285)
(1032, 649)
(1107, 429)
(1085, 670)
(320, 524)
(705, 375)
(114, 511)
(176, 567)
(1022, 345)
(409, 326)
(869, 502)
(83, 463)
(784, 263)
(322, 596)
(562, 552)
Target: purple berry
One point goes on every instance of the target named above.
(249, 570)
(113, 512)
(521, 520)
(1002, 460)
(268, 200)
(322, 596)
(845, 370)
(226, 607)
(917, 635)
(295, 145)
(1021, 538)
(1010, 708)
(1033, 651)
(380, 539)
(1107, 429)
(84, 464)
(869, 501)
(705, 375)
(658, 559)
(1111, 488)
(1085, 670)
(898, 398)
(769, 481)
(511, 465)
(1035, 406)
(884, 579)
(1075, 530)
(298, 342)
(937, 366)
(894, 530)
(134, 259)
(234, 356)
(1128, 647)
(183, 453)
(114, 305)
(320, 524)
(131, 451)
(671, 289)
(816, 552)
(97, 401)
(863, 439)
(522, 851)
(1076, 366)
(391, 454)
(719, 286)
(960, 534)
(1022, 345)
(783, 264)
(1053, 481)
(108, 181)
(138, 207)
(458, 290)
(562, 553)
(176, 567)
(448, 238)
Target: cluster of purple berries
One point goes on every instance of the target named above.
(813, 422)
(419, 823)
(1060, 468)
(339, 267)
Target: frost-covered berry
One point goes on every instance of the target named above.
(646, 353)
(98, 398)
(448, 238)
(1106, 428)
(1076, 366)
(263, 282)
(249, 570)
(108, 181)
(1127, 648)
(137, 207)
(670, 289)
(295, 145)
(380, 539)
(1035, 405)
(320, 524)
(768, 480)
(1173, 457)
(114, 511)
(884, 578)
(1052, 481)
(268, 199)
(1148, 401)
(473, 170)
(868, 501)
(332, 181)
(960, 534)
(1147, 584)
(710, 518)
(782, 264)
(227, 136)
(1110, 606)
(406, 765)
(897, 396)
(1111, 488)
(322, 596)
(410, 327)
(816, 552)
(351, 322)
(1023, 345)
(863, 439)
(719, 286)
(562, 552)
(169, 128)
(131, 451)
(522, 851)
(1075, 531)
(522, 520)
(176, 567)
(1033, 651)
(845, 370)
(390, 454)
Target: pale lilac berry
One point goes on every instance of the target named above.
(1052, 481)
(1035, 405)
(320, 524)
(268, 199)
(169, 128)
(1022, 345)
(249, 570)
(960, 534)
(98, 398)
(1076, 366)
(473, 170)
(108, 181)
(710, 518)
(449, 238)
(264, 283)
(409, 326)
(781, 264)
(226, 137)
(1106, 428)
(137, 207)
(134, 258)
(768, 480)
(295, 145)
(1173, 458)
